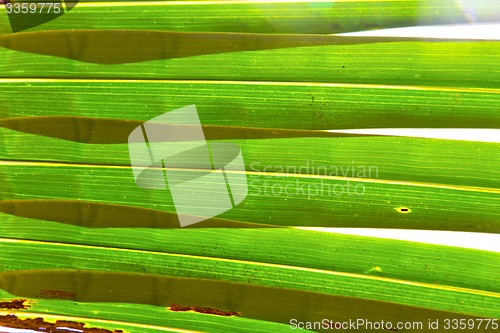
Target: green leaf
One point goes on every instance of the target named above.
(435, 63)
(274, 198)
(267, 16)
(357, 277)
(246, 105)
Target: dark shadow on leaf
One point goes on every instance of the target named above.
(99, 215)
(114, 131)
(108, 47)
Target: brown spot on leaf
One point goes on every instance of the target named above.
(40, 325)
(59, 294)
(404, 210)
(177, 307)
(16, 304)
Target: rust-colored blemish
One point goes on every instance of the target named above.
(40, 325)
(59, 294)
(177, 307)
(16, 304)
